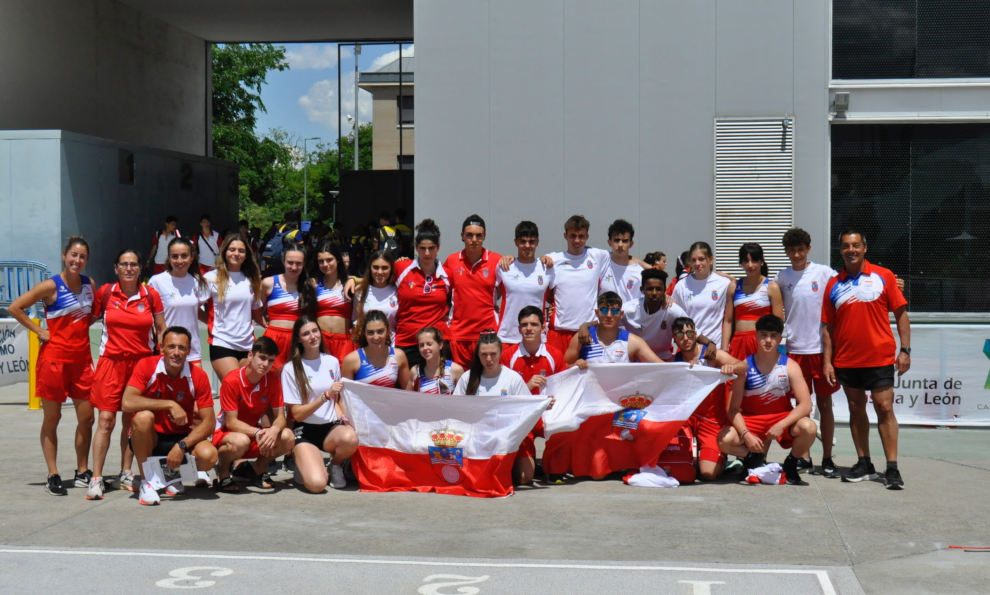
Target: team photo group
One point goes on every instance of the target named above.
(515, 329)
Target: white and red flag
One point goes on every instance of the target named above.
(464, 445)
(612, 417)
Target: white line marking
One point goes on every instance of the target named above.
(822, 575)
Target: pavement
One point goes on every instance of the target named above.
(581, 537)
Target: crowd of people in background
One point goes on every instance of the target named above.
(384, 307)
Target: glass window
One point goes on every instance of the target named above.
(406, 109)
(921, 193)
(882, 39)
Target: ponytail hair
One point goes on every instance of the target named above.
(302, 383)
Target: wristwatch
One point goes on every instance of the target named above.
(183, 446)
(906, 350)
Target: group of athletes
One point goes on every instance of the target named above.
(477, 323)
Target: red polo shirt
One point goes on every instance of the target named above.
(857, 308)
(422, 301)
(191, 390)
(128, 322)
(546, 361)
(249, 401)
(474, 289)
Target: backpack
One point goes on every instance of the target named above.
(271, 254)
(388, 239)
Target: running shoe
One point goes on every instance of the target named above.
(53, 485)
(202, 479)
(754, 460)
(81, 480)
(148, 496)
(735, 470)
(892, 479)
(127, 481)
(828, 468)
(860, 471)
(175, 489)
(337, 479)
(96, 489)
(805, 465)
(791, 467)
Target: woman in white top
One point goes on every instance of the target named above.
(311, 389)
(487, 375)
(235, 286)
(435, 374)
(703, 293)
(183, 290)
(377, 291)
(207, 245)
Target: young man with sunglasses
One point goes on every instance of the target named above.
(609, 342)
(710, 417)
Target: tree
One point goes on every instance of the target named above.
(239, 72)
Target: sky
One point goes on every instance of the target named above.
(303, 99)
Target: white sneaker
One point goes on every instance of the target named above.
(95, 491)
(126, 480)
(148, 496)
(175, 489)
(202, 479)
(337, 479)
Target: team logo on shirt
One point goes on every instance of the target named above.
(814, 286)
(590, 264)
(485, 273)
(179, 396)
(714, 296)
(663, 324)
(412, 284)
(460, 271)
(140, 307)
(504, 393)
(539, 279)
(630, 283)
(445, 453)
(391, 302)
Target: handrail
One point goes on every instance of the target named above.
(18, 276)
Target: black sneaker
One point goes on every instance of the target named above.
(54, 485)
(735, 470)
(81, 480)
(754, 460)
(892, 479)
(805, 465)
(860, 471)
(791, 471)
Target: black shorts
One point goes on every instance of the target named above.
(218, 352)
(866, 378)
(164, 444)
(412, 354)
(314, 434)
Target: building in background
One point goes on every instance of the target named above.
(393, 113)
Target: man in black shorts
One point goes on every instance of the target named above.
(859, 350)
(173, 411)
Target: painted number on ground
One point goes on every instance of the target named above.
(434, 584)
(192, 577)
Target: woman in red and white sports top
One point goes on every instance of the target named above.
(65, 362)
(377, 291)
(234, 307)
(333, 307)
(752, 296)
(285, 297)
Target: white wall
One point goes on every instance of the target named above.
(542, 110)
(99, 67)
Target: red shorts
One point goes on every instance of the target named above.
(462, 352)
(528, 446)
(282, 338)
(811, 367)
(109, 382)
(743, 344)
(560, 338)
(203, 269)
(252, 451)
(58, 380)
(759, 424)
(338, 344)
(706, 430)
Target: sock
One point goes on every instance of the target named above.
(864, 460)
(892, 464)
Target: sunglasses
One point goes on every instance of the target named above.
(613, 311)
(688, 334)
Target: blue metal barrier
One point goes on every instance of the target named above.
(18, 276)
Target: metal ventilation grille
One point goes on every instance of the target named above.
(754, 189)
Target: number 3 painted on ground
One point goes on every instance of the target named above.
(180, 575)
(453, 580)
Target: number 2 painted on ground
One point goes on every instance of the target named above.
(451, 580)
(191, 573)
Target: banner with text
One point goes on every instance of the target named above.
(949, 380)
(14, 355)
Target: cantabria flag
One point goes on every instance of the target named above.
(464, 445)
(612, 417)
